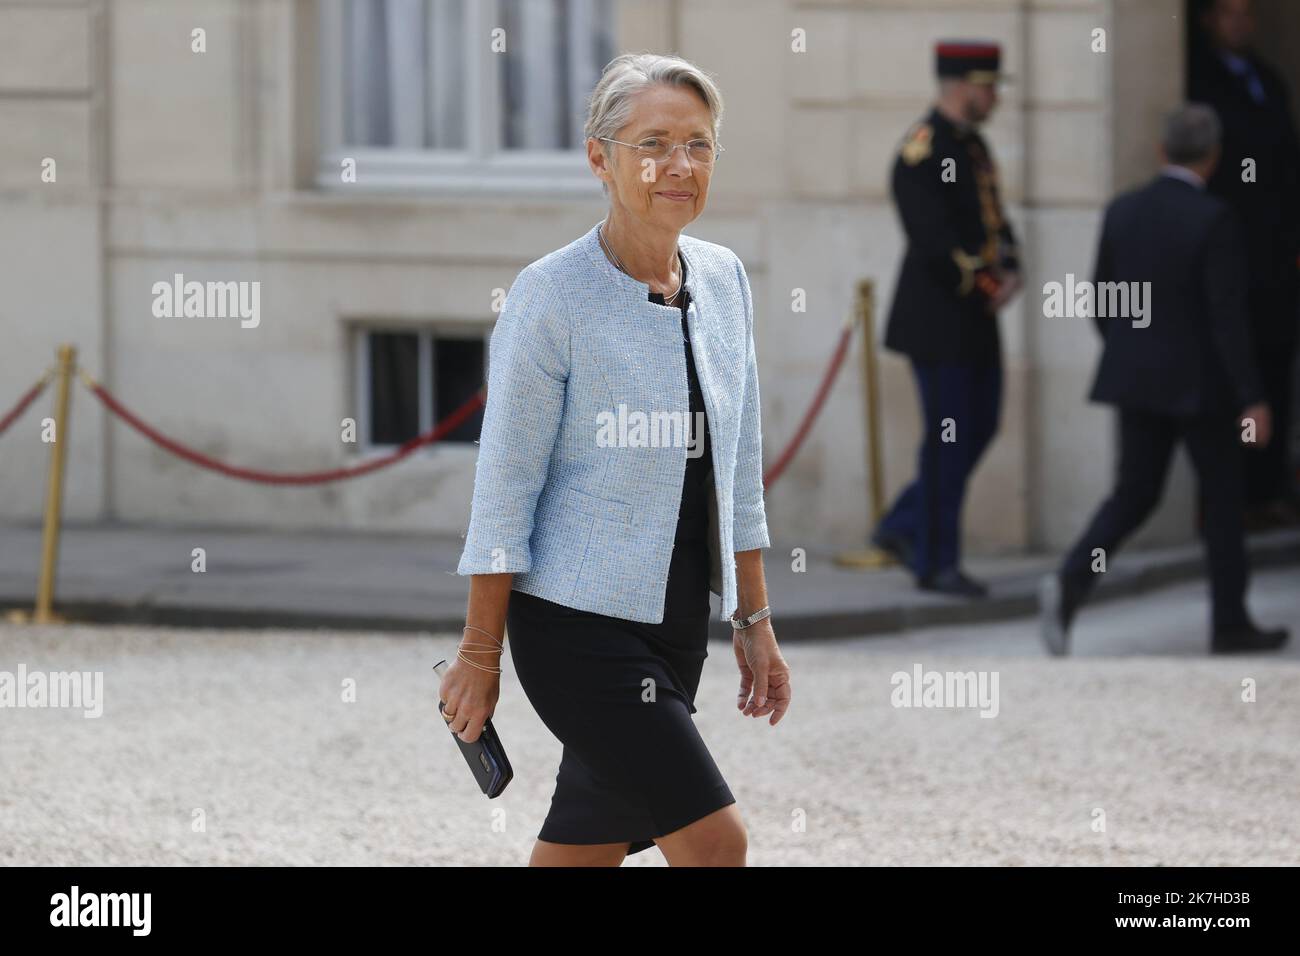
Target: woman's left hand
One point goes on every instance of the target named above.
(763, 671)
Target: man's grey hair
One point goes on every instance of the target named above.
(610, 106)
(1191, 133)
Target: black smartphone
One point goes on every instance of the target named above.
(486, 757)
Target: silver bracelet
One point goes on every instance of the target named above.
(764, 611)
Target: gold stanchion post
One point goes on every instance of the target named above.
(865, 310)
(44, 613)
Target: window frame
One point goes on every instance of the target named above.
(425, 334)
(482, 167)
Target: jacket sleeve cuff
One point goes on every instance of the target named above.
(1250, 395)
(510, 555)
(750, 534)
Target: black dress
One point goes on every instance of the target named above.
(632, 768)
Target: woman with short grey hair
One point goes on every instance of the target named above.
(619, 481)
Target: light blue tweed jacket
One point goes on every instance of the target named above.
(578, 520)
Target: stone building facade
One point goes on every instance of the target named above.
(223, 165)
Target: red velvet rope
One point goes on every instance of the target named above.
(805, 426)
(302, 478)
(28, 397)
(435, 434)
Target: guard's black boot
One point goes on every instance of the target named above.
(953, 581)
(895, 545)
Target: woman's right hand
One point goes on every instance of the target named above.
(469, 695)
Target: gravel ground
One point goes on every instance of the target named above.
(250, 728)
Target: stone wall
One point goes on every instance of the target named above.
(204, 165)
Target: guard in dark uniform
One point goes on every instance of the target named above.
(960, 267)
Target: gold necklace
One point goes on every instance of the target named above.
(681, 273)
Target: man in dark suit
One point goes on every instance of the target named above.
(960, 267)
(1259, 177)
(1183, 371)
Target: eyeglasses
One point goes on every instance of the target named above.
(702, 152)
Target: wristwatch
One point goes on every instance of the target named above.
(744, 622)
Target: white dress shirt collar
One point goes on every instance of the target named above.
(1183, 173)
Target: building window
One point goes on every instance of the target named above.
(457, 374)
(412, 380)
(393, 375)
(420, 93)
